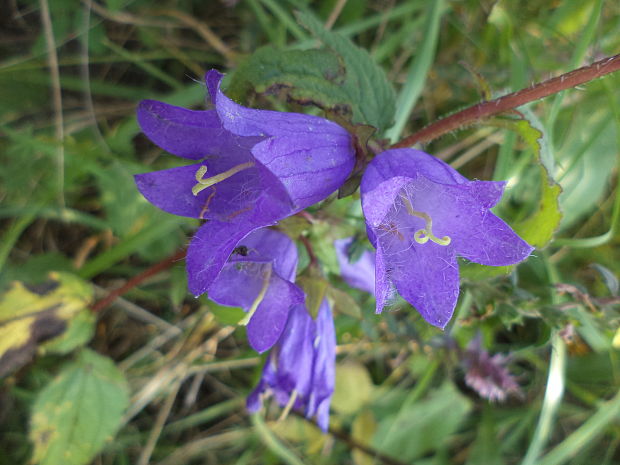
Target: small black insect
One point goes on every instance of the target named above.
(241, 250)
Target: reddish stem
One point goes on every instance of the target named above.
(136, 280)
(306, 242)
(510, 101)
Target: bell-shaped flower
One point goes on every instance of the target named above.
(258, 277)
(300, 369)
(420, 214)
(358, 273)
(252, 168)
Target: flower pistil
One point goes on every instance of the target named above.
(203, 182)
(422, 236)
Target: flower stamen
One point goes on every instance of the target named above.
(259, 298)
(203, 182)
(422, 236)
(289, 405)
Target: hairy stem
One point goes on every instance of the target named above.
(511, 101)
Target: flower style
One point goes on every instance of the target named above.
(420, 214)
(258, 277)
(359, 274)
(253, 168)
(300, 369)
(487, 375)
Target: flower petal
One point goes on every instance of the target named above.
(272, 246)
(359, 274)
(250, 122)
(266, 325)
(171, 190)
(324, 368)
(295, 355)
(427, 276)
(300, 160)
(188, 133)
(476, 233)
(383, 287)
(209, 249)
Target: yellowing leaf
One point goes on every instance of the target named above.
(78, 412)
(55, 311)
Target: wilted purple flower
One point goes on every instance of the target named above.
(300, 369)
(420, 214)
(258, 277)
(487, 375)
(359, 273)
(254, 167)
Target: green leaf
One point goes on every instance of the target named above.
(368, 90)
(353, 388)
(55, 311)
(343, 302)
(539, 227)
(78, 412)
(315, 289)
(423, 426)
(305, 76)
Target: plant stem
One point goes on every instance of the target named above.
(508, 102)
(133, 282)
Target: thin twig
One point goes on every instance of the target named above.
(334, 14)
(511, 101)
(133, 282)
(354, 444)
(204, 31)
(162, 416)
(52, 62)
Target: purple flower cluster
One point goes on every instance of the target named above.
(253, 168)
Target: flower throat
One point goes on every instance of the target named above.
(422, 236)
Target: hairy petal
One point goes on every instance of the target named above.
(427, 276)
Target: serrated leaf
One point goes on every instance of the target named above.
(78, 412)
(52, 311)
(305, 76)
(369, 92)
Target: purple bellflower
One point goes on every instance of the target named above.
(420, 214)
(253, 168)
(359, 274)
(488, 375)
(300, 368)
(259, 277)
